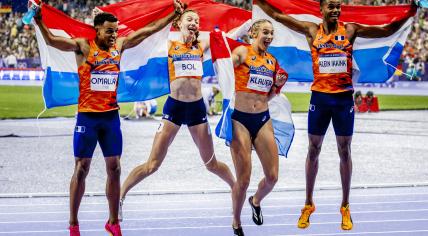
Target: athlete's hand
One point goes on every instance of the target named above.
(179, 6)
(281, 78)
(38, 15)
(95, 12)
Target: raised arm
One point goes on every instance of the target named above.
(364, 31)
(303, 27)
(61, 43)
(238, 55)
(138, 36)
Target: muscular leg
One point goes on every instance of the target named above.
(113, 186)
(311, 168)
(241, 155)
(268, 153)
(203, 140)
(77, 187)
(344, 148)
(163, 138)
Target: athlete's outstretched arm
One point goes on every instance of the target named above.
(364, 31)
(61, 43)
(303, 27)
(138, 36)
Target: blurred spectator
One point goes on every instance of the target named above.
(372, 102)
(10, 61)
(145, 109)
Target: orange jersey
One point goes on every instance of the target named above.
(256, 74)
(185, 61)
(99, 77)
(332, 61)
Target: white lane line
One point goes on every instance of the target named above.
(207, 217)
(354, 187)
(212, 200)
(360, 233)
(212, 226)
(212, 208)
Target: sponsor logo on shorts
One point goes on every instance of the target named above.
(80, 129)
(352, 110)
(264, 118)
(311, 107)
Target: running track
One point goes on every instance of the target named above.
(375, 211)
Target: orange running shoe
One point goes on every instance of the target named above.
(113, 229)
(303, 222)
(346, 218)
(74, 230)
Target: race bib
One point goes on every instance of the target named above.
(188, 68)
(333, 64)
(104, 81)
(259, 82)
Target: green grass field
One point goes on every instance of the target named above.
(27, 102)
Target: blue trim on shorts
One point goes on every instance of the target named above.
(253, 122)
(338, 107)
(185, 113)
(101, 127)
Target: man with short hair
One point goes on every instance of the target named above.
(98, 117)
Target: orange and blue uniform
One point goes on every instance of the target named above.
(185, 61)
(256, 75)
(98, 117)
(332, 86)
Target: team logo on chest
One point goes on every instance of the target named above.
(339, 37)
(96, 53)
(253, 58)
(269, 61)
(114, 53)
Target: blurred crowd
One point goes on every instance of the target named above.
(19, 43)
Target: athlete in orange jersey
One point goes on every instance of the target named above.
(331, 47)
(98, 118)
(257, 80)
(184, 106)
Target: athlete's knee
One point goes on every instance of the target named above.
(153, 166)
(314, 151)
(315, 147)
(81, 171)
(243, 182)
(271, 178)
(114, 170)
(344, 153)
(212, 165)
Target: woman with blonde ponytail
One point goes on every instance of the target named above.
(184, 105)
